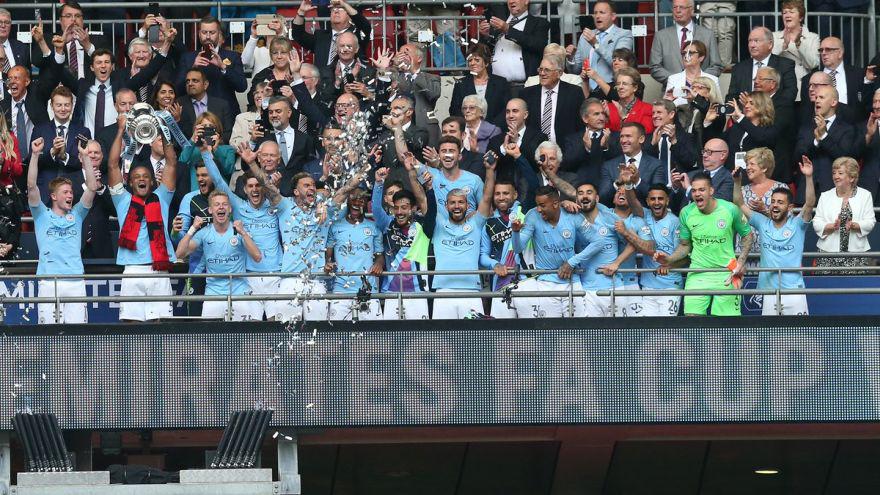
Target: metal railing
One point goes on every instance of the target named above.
(506, 294)
(858, 30)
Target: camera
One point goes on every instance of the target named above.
(490, 158)
(82, 141)
(587, 22)
(699, 102)
(209, 134)
(207, 51)
(142, 124)
(153, 31)
(724, 110)
(277, 84)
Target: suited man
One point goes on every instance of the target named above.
(61, 159)
(148, 65)
(79, 45)
(470, 161)
(122, 102)
(824, 140)
(742, 79)
(199, 100)
(347, 67)
(562, 116)
(669, 142)
(528, 137)
(497, 91)
(767, 81)
(714, 156)
(668, 43)
(585, 152)
(518, 40)
(223, 67)
(17, 53)
(25, 106)
(597, 46)
(401, 134)
(847, 80)
(310, 76)
(422, 87)
(96, 239)
(869, 141)
(295, 148)
(632, 137)
(322, 42)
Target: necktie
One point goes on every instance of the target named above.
(684, 38)
(833, 75)
(547, 114)
(664, 158)
(631, 162)
(61, 132)
(282, 143)
(513, 20)
(303, 124)
(331, 55)
(6, 64)
(99, 108)
(143, 94)
(594, 55)
(21, 126)
(73, 58)
(200, 108)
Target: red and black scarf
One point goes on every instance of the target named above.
(150, 208)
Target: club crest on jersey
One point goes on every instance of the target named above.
(233, 241)
(273, 211)
(69, 217)
(466, 228)
(603, 231)
(664, 232)
(721, 223)
(466, 189)
(786, 233)
(368, 231)
(566, 234)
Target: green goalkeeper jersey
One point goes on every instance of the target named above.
(712, 235)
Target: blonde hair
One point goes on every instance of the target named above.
(213, 119)
(764, 106)
(764, 158)
(714, 92)
(7, 141)
(850, 165)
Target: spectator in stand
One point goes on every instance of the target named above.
(595, 48)
(742, 78)
(78, 44)
(60, 157)
(527, 137)
(26, 106)
(278, 74)
(477, 132)
(669, 141)
(586, 151)
(629, 108)
(11, 205)
(714, 156)
(295, 148)
(17, 53)
(400, 135)
(348, 74)
(10, 156)
(223, 154)
(123, 101)
(172, 60)
(199, 100)
(554, 105)
(767, 82)
(478, 81)
(221, 67)
(557, 52)
(796, 43)
(669, 43)
(700, 117)
(844, 218)
(825, 140)
(649, 169)
(724, 28)
(97, 239)
(849, 81)
(255, 55)
(147, 65)
(870, 176)
(322, 42)
(165, 98)
(518, 41)
(421, 87)
(245, 120)
(622, 57)
(757, 195)
(680, 84)
(752, 126)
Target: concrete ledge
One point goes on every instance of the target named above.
(194, 476)
(88, 478)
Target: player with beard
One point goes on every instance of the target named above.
(305, 223)
(782, 243)
(664, 230)
(708, 229)
(224, 245)
(59, 236)
(496, 246)
(355, 245)
(260, 218)
(456, 241)
(553, 234)
(194, 204)
(450, 177)
(144, 246)
(629, 213)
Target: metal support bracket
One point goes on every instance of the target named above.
(288, 464)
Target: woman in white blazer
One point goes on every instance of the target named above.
(678, 86)
(844, 216)
(795, 42)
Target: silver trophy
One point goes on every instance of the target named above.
(142, 124)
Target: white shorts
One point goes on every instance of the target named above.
(629, 305)
(500, 310)
(265, 285)
(295, 309)
(547, 307)
(456, 308)
(344, 309)
(661, 305)
(597, 306)
(69, 312)
(792, 304)
(141, 311)
(413, 309)
(241, 310)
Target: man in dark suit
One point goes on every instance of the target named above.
(79, 45)
(767, 81)
(585, 152)
(870, 142)
(25, 105)
(824, 140)
(322, 42)
(60, 157)
(561, 118)
(295, 148)
(401, 135)
(198, 100)
(422, 87)
(669, 142)
(223, 67)
(96, 239)
(854, 93)
(347, 74)
(518, 41)
(714, 156)
(122, 102)
(17, 53)
(526, 136)
(632, 137)
(742, 79)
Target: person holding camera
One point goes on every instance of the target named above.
(753, 124)
(208, 130)
(278, 74)
(198, 101)
(679, 85)
(220, 66)
(701, 117)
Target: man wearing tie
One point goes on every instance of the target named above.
(17, 53)
(343, 18)
(670, 42)
(632, 137)
(222, 67)
(846, 79)
(742, 78)
(295, 147)
(669, 141)
(79, 45)
(553, 104)
(423, 88)
(599, 45)
(197, 101)
(586, 151)
(60, 158)
(519, 41)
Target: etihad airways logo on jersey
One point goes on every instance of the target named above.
(219, 260)
(261, 225)
(556, 249)
(772, 246)
(710, 240)
(457, 242)
(62, 232)
(351, 248)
